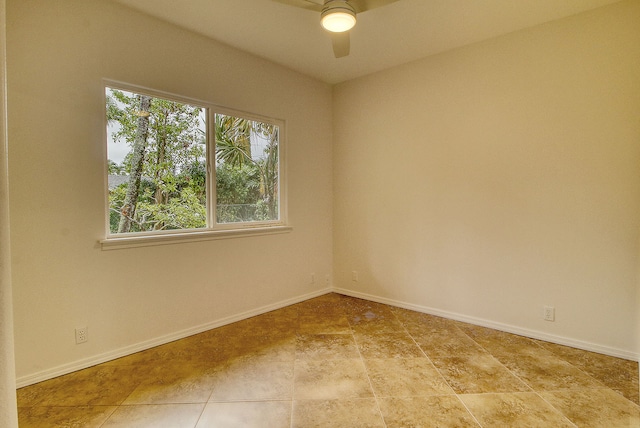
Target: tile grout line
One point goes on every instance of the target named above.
(438, 371)
(519, 378)
(366, 371)
(119, 406)
(556, 409)
(204, 408)
(109, 417)
(499, 362)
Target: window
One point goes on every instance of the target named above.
(160, 153)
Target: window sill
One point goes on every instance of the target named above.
(123, 242)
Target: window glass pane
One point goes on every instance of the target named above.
(156, 151)
(247, 166)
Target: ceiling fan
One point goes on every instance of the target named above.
(338, 17)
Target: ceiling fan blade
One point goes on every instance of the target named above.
(341, 44)
(364, 5)
(315, 5)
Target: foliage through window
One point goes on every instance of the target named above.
(159, 154)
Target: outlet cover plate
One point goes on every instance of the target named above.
(82, 335)
(549, 313)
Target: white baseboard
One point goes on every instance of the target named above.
(587, 346)
(137, 347)
(147, 344)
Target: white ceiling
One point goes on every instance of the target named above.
(395, 34)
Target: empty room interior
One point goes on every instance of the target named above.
(455, 237)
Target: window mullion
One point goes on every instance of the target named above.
(211, 170)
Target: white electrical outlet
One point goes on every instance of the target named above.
(354, 275)
(82, 335)
(327, 280)
(549, 313)
(312, 279)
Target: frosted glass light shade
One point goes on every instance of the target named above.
(338, 20)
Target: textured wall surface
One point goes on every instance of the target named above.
(490, 181)
(8, 415)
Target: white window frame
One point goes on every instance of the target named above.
(213, 230)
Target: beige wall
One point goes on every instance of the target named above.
(487, 182)
(8, 414)
(58, 52)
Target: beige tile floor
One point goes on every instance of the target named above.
(337, 361)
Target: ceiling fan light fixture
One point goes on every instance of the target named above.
(338, 16)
